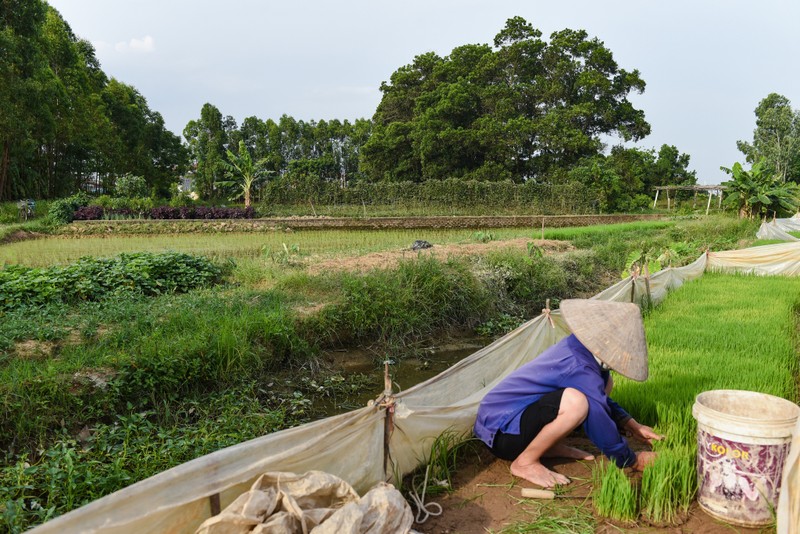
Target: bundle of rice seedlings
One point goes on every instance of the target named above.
(614, 496)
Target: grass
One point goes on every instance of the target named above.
(604, 230)
(555, 519)
(718, 332)
(9, 212)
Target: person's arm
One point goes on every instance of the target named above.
(622, 418)
(599, 426)
(618, 414)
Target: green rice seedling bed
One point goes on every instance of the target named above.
(718, 332)
(51, 251)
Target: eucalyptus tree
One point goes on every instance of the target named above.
(776, 138)
(207, 138)
(61, 119)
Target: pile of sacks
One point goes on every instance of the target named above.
(312, 503)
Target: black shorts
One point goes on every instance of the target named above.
(535, 417)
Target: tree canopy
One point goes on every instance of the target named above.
(518, 109)
(522, 108)
(776, 138)
(63, 123)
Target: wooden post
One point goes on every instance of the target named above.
(708, 206)
(542, 228)
(720, 200)
(655, 201)
(668, 204)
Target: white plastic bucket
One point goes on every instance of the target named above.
(743, 439)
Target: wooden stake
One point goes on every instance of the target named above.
(533, 493)
(387, 382)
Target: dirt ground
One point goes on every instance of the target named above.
(487, 498)
(390, 258)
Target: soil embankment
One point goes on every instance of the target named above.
(145, 226)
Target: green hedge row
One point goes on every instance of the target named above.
(570, 197)
(94, 279)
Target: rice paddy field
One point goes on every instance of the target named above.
(59, 250)
(718, 332)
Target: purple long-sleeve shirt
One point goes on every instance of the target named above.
(567, 364)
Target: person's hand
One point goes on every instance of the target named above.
(643, 459)
(643, 432)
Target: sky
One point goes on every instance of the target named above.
(706, 63)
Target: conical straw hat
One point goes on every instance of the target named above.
(612, 331)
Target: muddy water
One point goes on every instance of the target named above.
(365, 368)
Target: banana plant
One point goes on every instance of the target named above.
(243, 172)
(638, 260)
(758, 191)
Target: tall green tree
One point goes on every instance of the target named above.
(62, 122)
(22, 69)
(519, 109)
(776, 138)
(671, 168)
(207, 138)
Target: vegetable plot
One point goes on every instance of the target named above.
(719, 332)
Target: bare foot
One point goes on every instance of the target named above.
(538, 474)
(564, 451)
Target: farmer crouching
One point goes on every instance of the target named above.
(527, 415)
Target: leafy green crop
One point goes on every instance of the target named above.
(95, 279)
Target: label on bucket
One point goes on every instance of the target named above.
(739, 481)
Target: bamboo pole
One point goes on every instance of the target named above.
(708, 206)
(655, 201)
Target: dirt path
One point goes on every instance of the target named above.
(487, 498)
(390, 258)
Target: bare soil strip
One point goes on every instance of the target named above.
(390, 258)
(487, 498)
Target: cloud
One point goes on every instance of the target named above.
(145, 45)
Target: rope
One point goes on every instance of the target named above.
(424, 511)
(546, 313)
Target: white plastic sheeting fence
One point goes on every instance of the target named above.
(779, 229)
(392, 436)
